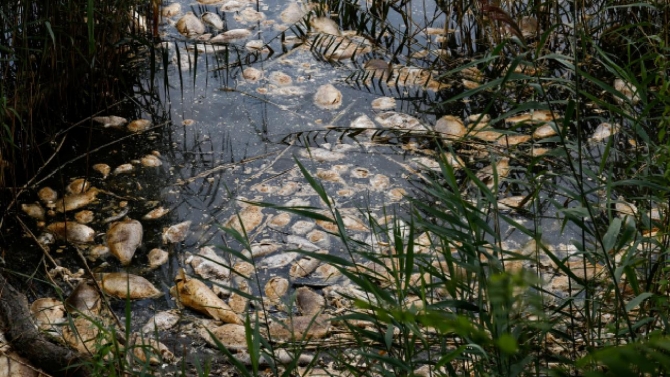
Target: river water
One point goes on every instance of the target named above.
(225, 138)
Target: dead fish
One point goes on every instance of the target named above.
(151, 161)
(196, 295)
(625, 208)
(78, 186)
(324, 25)
(76, 201)
(243, 270)
(231, 336)
(302, 226)
(85, 337)
(292, 14)
(321, 155)
(604, 131)
(71, 231)
(508, 140)
(327, 272)
(281, 220)
(48, 312)
(212, 19)
(47, 195)
(280, 78)
(233, 6)
(319, 238)
(263, 248)
(536, 116)
(84, 299)
(275, 289)
(98, 252)
(451, 127)
(301, 243)
(139, 125)
(103, 169)
(299, 328)
(512, 202)
(150, 351)
(359, 173)
(117, 216)
(328, 97)
(176, 233)
(123, 238)
(627, 90)
(329, 175)
(171, 10)
(278, 260)
(303, 267)
(207, 264)
(238, 300)
(190, 25)
(486, 174)
(127, 286)
(123, 169)
(156, 213)
(544, 131)
(309, 302)
(252, 74)
(383, 103)
(112, 121)
(249, 218)
(84, 217)
(33, 210)
(248, 15)
(164, 320)
(399, 121)
(157, 257)
(231, 35)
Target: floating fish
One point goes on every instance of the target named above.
(123, 238)
(299, 328)
(156, 213)
(383, 103)
(164, 320)
(151, 161)
(328, 97)
(231, 336)
(171, 10)
(150, 351)
(78, 186)
(207, 264)
(84, 299)
(139, 125)
(84, 217)
(212, 19)
(71, 231)
(111, 121)
(309, 302)
(47, 195)
(127, 286)
(275, 289)
(103, 169)
(190, 25)
(196, 295)
(33, 210)
(48, 312)
(176, 233)
(76, 201)
(157, 257)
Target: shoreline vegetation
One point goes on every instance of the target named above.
(549, 120)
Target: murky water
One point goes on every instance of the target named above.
(231, 119)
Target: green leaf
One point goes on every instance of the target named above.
(507, 344)
(632, 304)
(609, 239)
